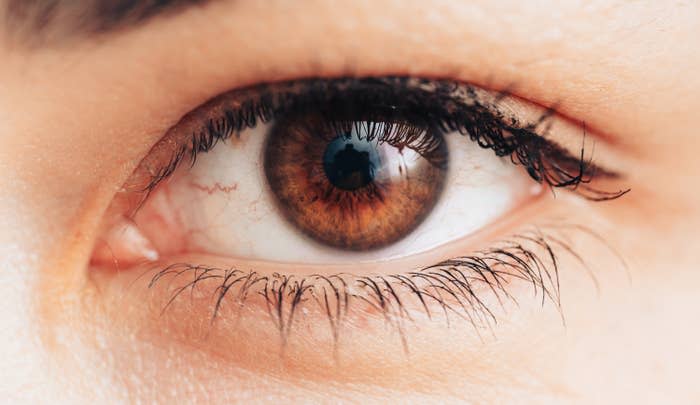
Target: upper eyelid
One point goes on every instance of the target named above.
(238, 109)
(501, 105)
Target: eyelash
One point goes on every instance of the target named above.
(454, 285)
(424, 103)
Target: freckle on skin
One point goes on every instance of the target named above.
(216, 187)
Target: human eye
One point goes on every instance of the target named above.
(303, 209)
(348, 201)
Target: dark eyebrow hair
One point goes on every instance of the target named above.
(38, 18)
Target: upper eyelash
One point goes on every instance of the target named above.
(432, 103)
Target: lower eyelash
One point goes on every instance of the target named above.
(455, 287)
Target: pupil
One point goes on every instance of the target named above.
(350, 163)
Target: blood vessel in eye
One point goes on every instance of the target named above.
(354, 184)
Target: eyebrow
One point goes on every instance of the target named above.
(36, 18)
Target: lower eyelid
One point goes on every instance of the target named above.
(471, 291)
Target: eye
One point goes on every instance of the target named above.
(285, 179)
(329, 181)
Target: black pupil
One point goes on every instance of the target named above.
(350, 163)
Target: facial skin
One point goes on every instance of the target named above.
(77, 115)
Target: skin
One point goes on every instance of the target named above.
(77, 116)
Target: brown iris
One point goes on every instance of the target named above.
(354, 184)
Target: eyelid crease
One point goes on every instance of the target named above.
(446, 105)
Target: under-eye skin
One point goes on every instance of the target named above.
(357, 164)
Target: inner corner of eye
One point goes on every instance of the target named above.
(309, 187)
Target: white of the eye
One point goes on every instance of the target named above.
(225, 206)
